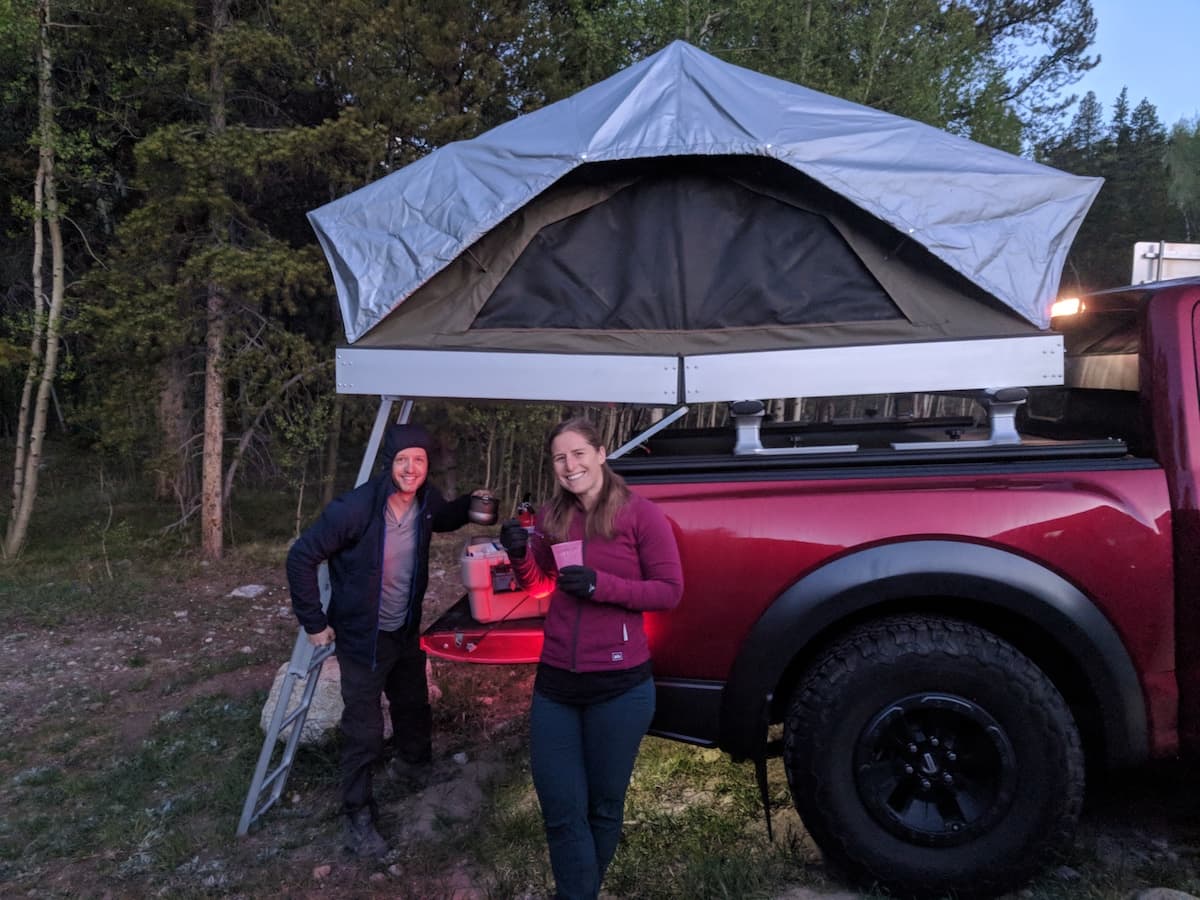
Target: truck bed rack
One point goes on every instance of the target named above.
(1035, 453)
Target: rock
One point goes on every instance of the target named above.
(377, 878)
(1159, 893)
(320, 873)
(326, 709)
(462, 886)
(1110, 852)
(1066, 873)
(323, 714)
(249, 591)
(457, 800)
(460, 758)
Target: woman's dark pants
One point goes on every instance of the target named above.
(582, 758)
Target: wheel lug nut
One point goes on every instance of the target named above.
(912, 748)
(908, 770)
(933, 742)
(925, 785)
(947, 778)
(951, 756)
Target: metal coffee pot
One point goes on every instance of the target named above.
(483, 509)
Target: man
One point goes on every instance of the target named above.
(376, 541)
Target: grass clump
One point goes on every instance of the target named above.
(143, 812)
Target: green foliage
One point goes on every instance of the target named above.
(1183, 164)
(18, 38)
(1130, 153)
(993, 72)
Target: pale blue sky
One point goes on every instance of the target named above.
(1150, 47)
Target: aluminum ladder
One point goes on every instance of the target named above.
(305, 666)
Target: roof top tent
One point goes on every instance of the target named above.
(688, 231)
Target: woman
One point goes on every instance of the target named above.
(593, 696)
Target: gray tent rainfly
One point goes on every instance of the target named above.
(688, 230)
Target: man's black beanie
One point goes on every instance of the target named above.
(401, 437)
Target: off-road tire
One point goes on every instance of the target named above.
(930, 757)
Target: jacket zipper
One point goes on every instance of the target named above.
(379, 591)
(412, 577)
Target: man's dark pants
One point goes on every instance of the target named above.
(400, 674)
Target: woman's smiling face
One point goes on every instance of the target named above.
(578, 466)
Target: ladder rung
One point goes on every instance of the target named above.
(270, 779)
(300, 710)
(262, 809)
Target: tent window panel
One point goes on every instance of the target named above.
(686, 252)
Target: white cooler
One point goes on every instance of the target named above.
(492, 587)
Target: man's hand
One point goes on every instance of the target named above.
(578, 581)
(514, 538)
(322, 638)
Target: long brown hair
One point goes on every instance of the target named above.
(563, 504)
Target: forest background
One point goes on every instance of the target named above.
(164, 307)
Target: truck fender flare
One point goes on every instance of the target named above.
(905, 570)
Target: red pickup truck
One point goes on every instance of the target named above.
(950, 631)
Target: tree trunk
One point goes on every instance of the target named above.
(25, 477)
(448, 443)
(211, 506)
(505, 488)
(174, 476)
(488, 453)
(35, 342)
(329, 477)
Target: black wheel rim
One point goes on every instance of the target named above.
(935, 769)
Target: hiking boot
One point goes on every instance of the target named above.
(360, 837)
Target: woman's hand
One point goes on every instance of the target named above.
(514, 538)
(578, 581)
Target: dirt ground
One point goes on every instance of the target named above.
(111, 678)
(188, 635)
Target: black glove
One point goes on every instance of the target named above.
(578, 581)
(514, 538)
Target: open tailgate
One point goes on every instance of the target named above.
(457, 635)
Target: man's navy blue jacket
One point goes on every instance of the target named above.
(349, 534)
